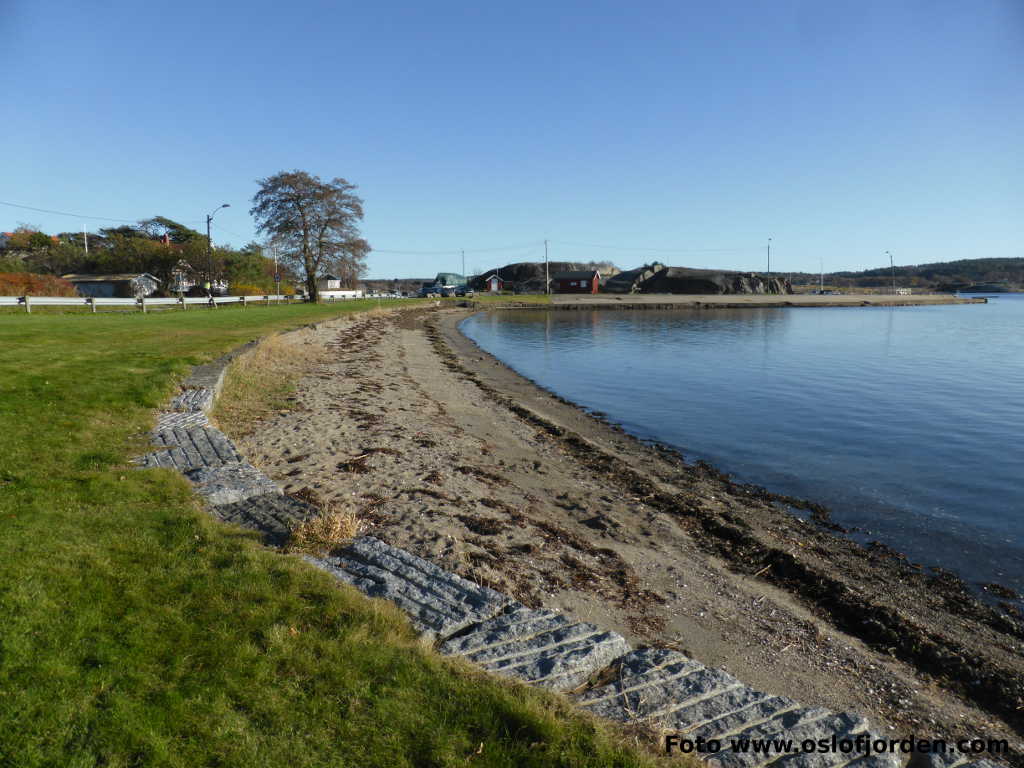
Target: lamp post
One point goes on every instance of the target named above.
(769, 257)
(209, 249)
(892, 266)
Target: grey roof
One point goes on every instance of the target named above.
(584, 274)
(115, 278)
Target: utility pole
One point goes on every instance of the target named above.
(821, 278)
(892, 266)
(85, 237)
(769, 257)
(547, 277)
(463, 263)
(277, 273)
(209, 249)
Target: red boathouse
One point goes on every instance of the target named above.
(585, 281)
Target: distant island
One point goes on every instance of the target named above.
(980, 275)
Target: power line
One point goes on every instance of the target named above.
(457, 250)
(82, 215)
(65, 213)
(228, 231)
(658, 250)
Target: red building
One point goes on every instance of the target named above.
(495, 284)
(585, 281)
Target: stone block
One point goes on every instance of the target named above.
(438, 603)
(231, 482)
(652, 682)
(540, 647)
(169, 420)
(274, 515)
(211, 375)
(188, 449)
(195, 399)
(797, 725)
(951, 759)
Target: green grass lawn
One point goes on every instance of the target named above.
(135, 631)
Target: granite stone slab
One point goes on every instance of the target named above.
(950, 759)
(651, 683)
(188, 449)
(800, 725)
(211, 375)
(231, 482)
(539, 647)
(169, 420)
(193, 399)
(666, 688)
(439, 603)
(274, 515)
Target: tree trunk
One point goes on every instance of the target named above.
(311, 289)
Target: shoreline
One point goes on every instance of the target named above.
(989, 592)
(747, 301)
(485, 473)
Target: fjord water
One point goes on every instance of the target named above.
(908, 422)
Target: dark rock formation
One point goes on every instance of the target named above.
(528, 276)
(683, 280)
(657, 278)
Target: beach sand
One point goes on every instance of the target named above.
(451, 455)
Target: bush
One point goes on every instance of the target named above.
(241, 289)
(29, 284)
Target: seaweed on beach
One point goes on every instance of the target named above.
(489, 478)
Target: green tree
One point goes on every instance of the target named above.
(159, 226)
(316, 222)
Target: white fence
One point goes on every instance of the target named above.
(28, 302)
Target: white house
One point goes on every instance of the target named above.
(328, 283)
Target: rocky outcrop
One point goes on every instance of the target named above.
(631, 280)
(528, 276)
(703, 281)
(657, 278)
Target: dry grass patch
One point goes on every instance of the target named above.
(263, 380)
(333, 528)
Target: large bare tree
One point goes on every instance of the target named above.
(316, 223)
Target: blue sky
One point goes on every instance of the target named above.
(839, 129)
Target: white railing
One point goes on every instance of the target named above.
(335, 295)
(144, 304)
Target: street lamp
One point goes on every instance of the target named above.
(769, 257)
(892, 266)
(209, 249)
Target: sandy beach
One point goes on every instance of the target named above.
(446, 452)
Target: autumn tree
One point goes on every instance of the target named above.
(316, 223)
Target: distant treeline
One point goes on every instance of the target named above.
(943, 275)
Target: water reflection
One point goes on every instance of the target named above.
(905, 420)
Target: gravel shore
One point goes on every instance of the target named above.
(449, 454)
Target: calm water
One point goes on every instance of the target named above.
(908, 422)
